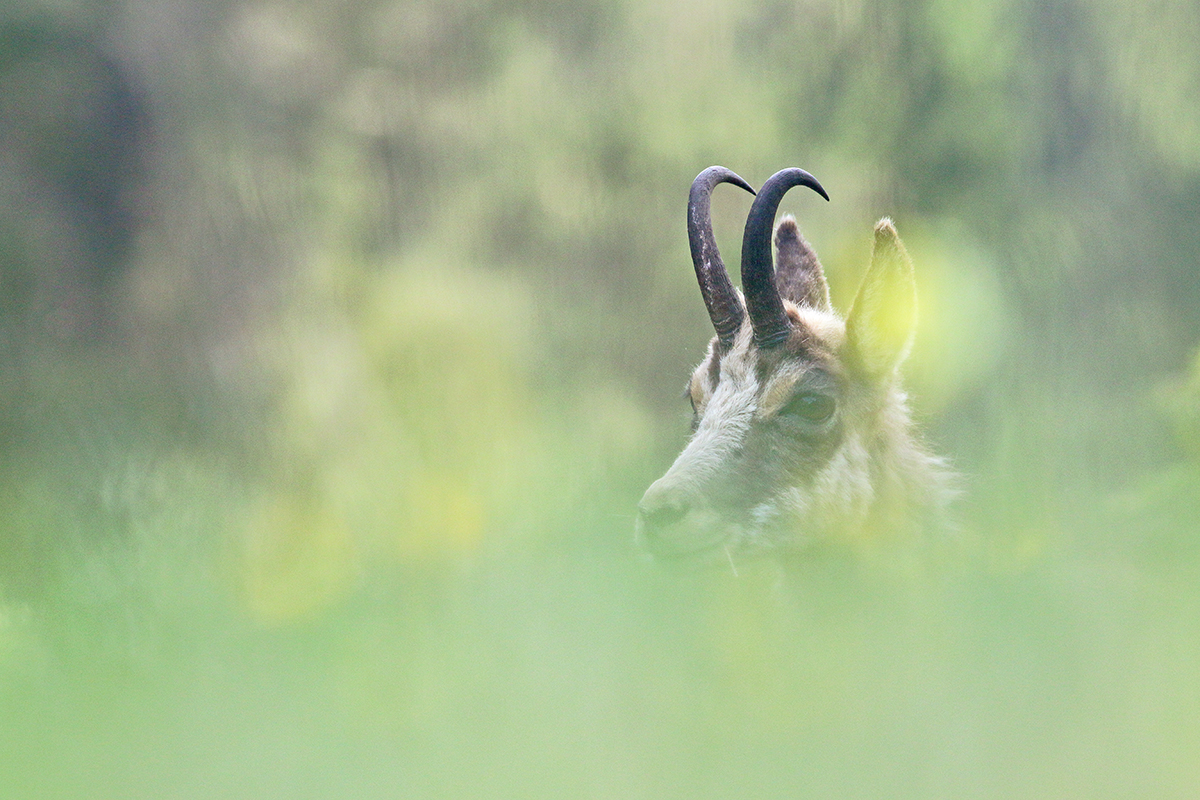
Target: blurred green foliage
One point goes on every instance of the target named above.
(338, 343)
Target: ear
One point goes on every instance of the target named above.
(798, 273)
(880, 327)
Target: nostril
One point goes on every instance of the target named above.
(662, 513)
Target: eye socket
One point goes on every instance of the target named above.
(810, 407)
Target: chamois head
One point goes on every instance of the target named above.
(800, 425)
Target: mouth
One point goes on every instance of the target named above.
(684, 547)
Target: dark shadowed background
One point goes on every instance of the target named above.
(339, 341)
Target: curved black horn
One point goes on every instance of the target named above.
(767, 317)
(724, 305)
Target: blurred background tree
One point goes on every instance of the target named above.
(339, 342)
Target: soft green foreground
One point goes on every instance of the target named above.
(570, 669)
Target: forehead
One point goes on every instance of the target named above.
(815, 341)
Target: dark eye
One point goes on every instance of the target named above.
(810, 407)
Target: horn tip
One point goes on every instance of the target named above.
(711, 176)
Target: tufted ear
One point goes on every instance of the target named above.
(798, 273)
(880, 327)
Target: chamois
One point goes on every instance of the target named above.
(801, 429)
